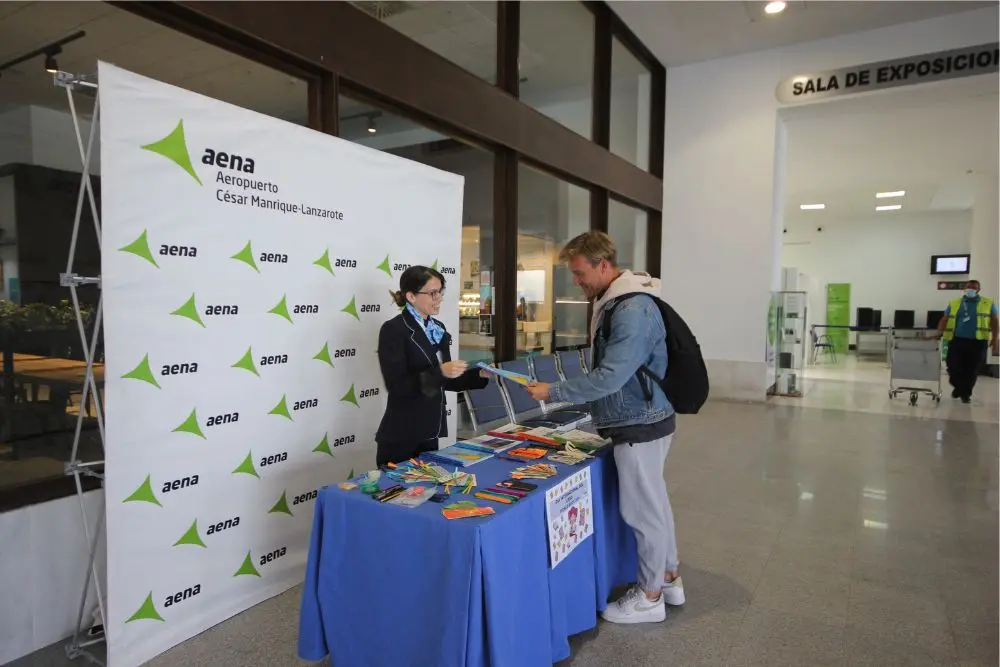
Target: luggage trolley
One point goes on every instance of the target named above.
(915, 359)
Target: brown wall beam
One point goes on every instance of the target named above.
(654, 241)
(599, 203)
(508, 46)
(601, 116)
(505, 255)
(338, 38)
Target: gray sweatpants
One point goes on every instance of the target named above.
(645, 507)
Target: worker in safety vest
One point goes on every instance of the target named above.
(969, 322)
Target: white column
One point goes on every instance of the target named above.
(985, 238)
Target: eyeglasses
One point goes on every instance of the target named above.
(434, 294)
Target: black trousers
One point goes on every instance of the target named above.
(965, 356)
(395, 452)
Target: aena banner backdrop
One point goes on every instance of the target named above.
(247, 268)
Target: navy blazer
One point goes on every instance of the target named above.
(416, 409)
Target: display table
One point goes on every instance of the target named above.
(392, 586)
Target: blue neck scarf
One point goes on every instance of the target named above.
(433, 330)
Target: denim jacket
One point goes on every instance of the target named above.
(637, 338)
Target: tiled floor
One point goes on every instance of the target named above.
(861, 534)
(863, 386)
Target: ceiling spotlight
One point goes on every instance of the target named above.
(775, 7)
(51, 66)
(371, 125)
(884, 195)
(812, 207)
(894, 207)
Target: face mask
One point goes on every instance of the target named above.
(971, 294)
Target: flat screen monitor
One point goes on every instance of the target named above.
(945, 265)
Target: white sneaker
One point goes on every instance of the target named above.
(634, 607)
(673, 592)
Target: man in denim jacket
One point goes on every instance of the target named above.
(641, 430)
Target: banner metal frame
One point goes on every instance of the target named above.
(79, 646)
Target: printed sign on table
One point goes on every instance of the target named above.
(569, 511)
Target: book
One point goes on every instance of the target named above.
(489, 443)
(467, 512)
(458, 455)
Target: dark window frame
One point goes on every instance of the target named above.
(336, 49)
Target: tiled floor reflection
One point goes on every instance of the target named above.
(863, 386)
(808, 537)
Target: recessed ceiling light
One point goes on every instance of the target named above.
(775, 7)
(812, 207)
(894, 207)
(884, 195)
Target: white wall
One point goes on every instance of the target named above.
(856, 252)
(43, 137)
(15, 136)
(53, 141)
(43, 560)
(719, 178)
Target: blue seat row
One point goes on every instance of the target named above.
(504, 401)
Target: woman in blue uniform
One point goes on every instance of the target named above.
(414, 353)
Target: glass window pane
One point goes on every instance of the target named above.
(43, 359)
(463, 32)
(630, 106)
(368, 125)
(627, 227)
(556, 62)
(551, 310)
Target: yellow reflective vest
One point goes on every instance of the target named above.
(983, 309)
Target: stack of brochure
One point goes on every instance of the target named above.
(490, 444)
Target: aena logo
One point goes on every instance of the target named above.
(180, 596)
(281, 309)
(344, 352)
(223, 525)
(179, 483)
(272, 556)
(444, 270)
(174, 148)
(224, 160)
(306, 404)
(191, 425)
(305, 497)
(273, 459)
(282, 506)
(352, 396)
(144, 492)
(140, 248)
(343, 440)
(192, 537)
(190, 310)
(147, 611)
(247, 255)
(274, 359)
(345, 263)
(248, 567)
(144, 372)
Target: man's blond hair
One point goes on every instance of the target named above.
(594, 246)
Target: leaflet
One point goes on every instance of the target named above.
(509, 375)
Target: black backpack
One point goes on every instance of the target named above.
(686, 381)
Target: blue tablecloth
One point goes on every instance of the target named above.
(387, 585)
